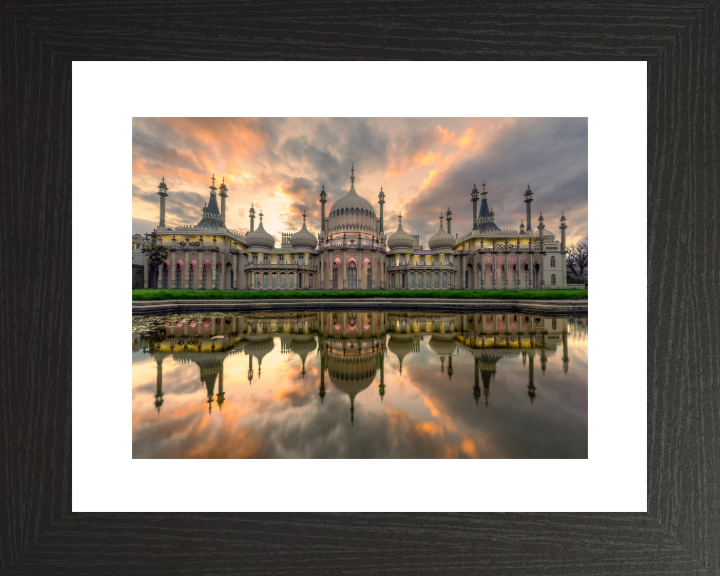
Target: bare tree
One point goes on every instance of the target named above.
(577, 257)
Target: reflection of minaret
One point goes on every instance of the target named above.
(476, 388)
(352, 410)
(565, 359)
(442, 364)
(221, 392)
(321, 348)
(158, 392)
(382, 375)
(531, 375)
(543, 356)
(250, 371)
(450, 368)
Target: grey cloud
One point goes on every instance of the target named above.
(549, 154)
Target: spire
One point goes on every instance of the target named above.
(304, 215)
(484, 192)
(352, 173)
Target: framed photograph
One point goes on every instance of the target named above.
(159, 465)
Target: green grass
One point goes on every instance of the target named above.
(312, 294)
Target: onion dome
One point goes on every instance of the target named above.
(352, 213)
(303, 238)
(259, 238)
(441, 239)
(400, 239)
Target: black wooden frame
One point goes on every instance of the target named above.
(681, 530)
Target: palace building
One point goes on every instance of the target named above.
(352, 251)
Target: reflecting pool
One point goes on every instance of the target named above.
(359, 384)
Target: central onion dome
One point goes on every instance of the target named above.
(352, 213)
(259, 238)
(303, 238)
(441, 239)
(400, 239)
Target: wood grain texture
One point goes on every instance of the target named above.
(680, 534)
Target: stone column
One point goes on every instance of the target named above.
(213, 274)
(188, 264)
(344, 271)
(236, 275)
(171, 272)
(146, 265)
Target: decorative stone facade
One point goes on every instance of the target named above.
(353, 252)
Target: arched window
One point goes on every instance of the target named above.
(427, 280)
(466, 278)
(552, 280)
(257, 280)
(335, 276)
(299, 279)
(192, 276)
(392, 281)
(402, 260)
(282, 281)
(437, 280)
(165, 275)
(447, 260)
(274, 280)
(218, 271)
(282, 260)
(352, 276)
(403, 280)
(411, 284)
(254, 258)
(368, 286)
(552, 261)
(437, 260)
(177, 275)
(292, 281)
(204, 277)
(266, 260)
(310, 281)
(444, 280)
(265, 280)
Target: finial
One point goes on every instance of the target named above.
(213, 178)
(441, 218)
(163, 178)
(352, 173)
(303, 216)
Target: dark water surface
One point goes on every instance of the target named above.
(359, 385)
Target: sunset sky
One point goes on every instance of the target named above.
(425, 165)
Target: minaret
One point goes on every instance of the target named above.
(323, 200)
(162, 192)
(252, 216)
(448, 217)
(563, 227)
(381, 201)
(223, 195)
(474, 198)
(528, 199)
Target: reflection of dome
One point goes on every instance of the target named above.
(443, 346)
(401, 345)
(303, 238)
(352, 370)
(441, 239)
(259, 238)
(400, 239)
(259, 348)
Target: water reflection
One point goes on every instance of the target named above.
(433, 362)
